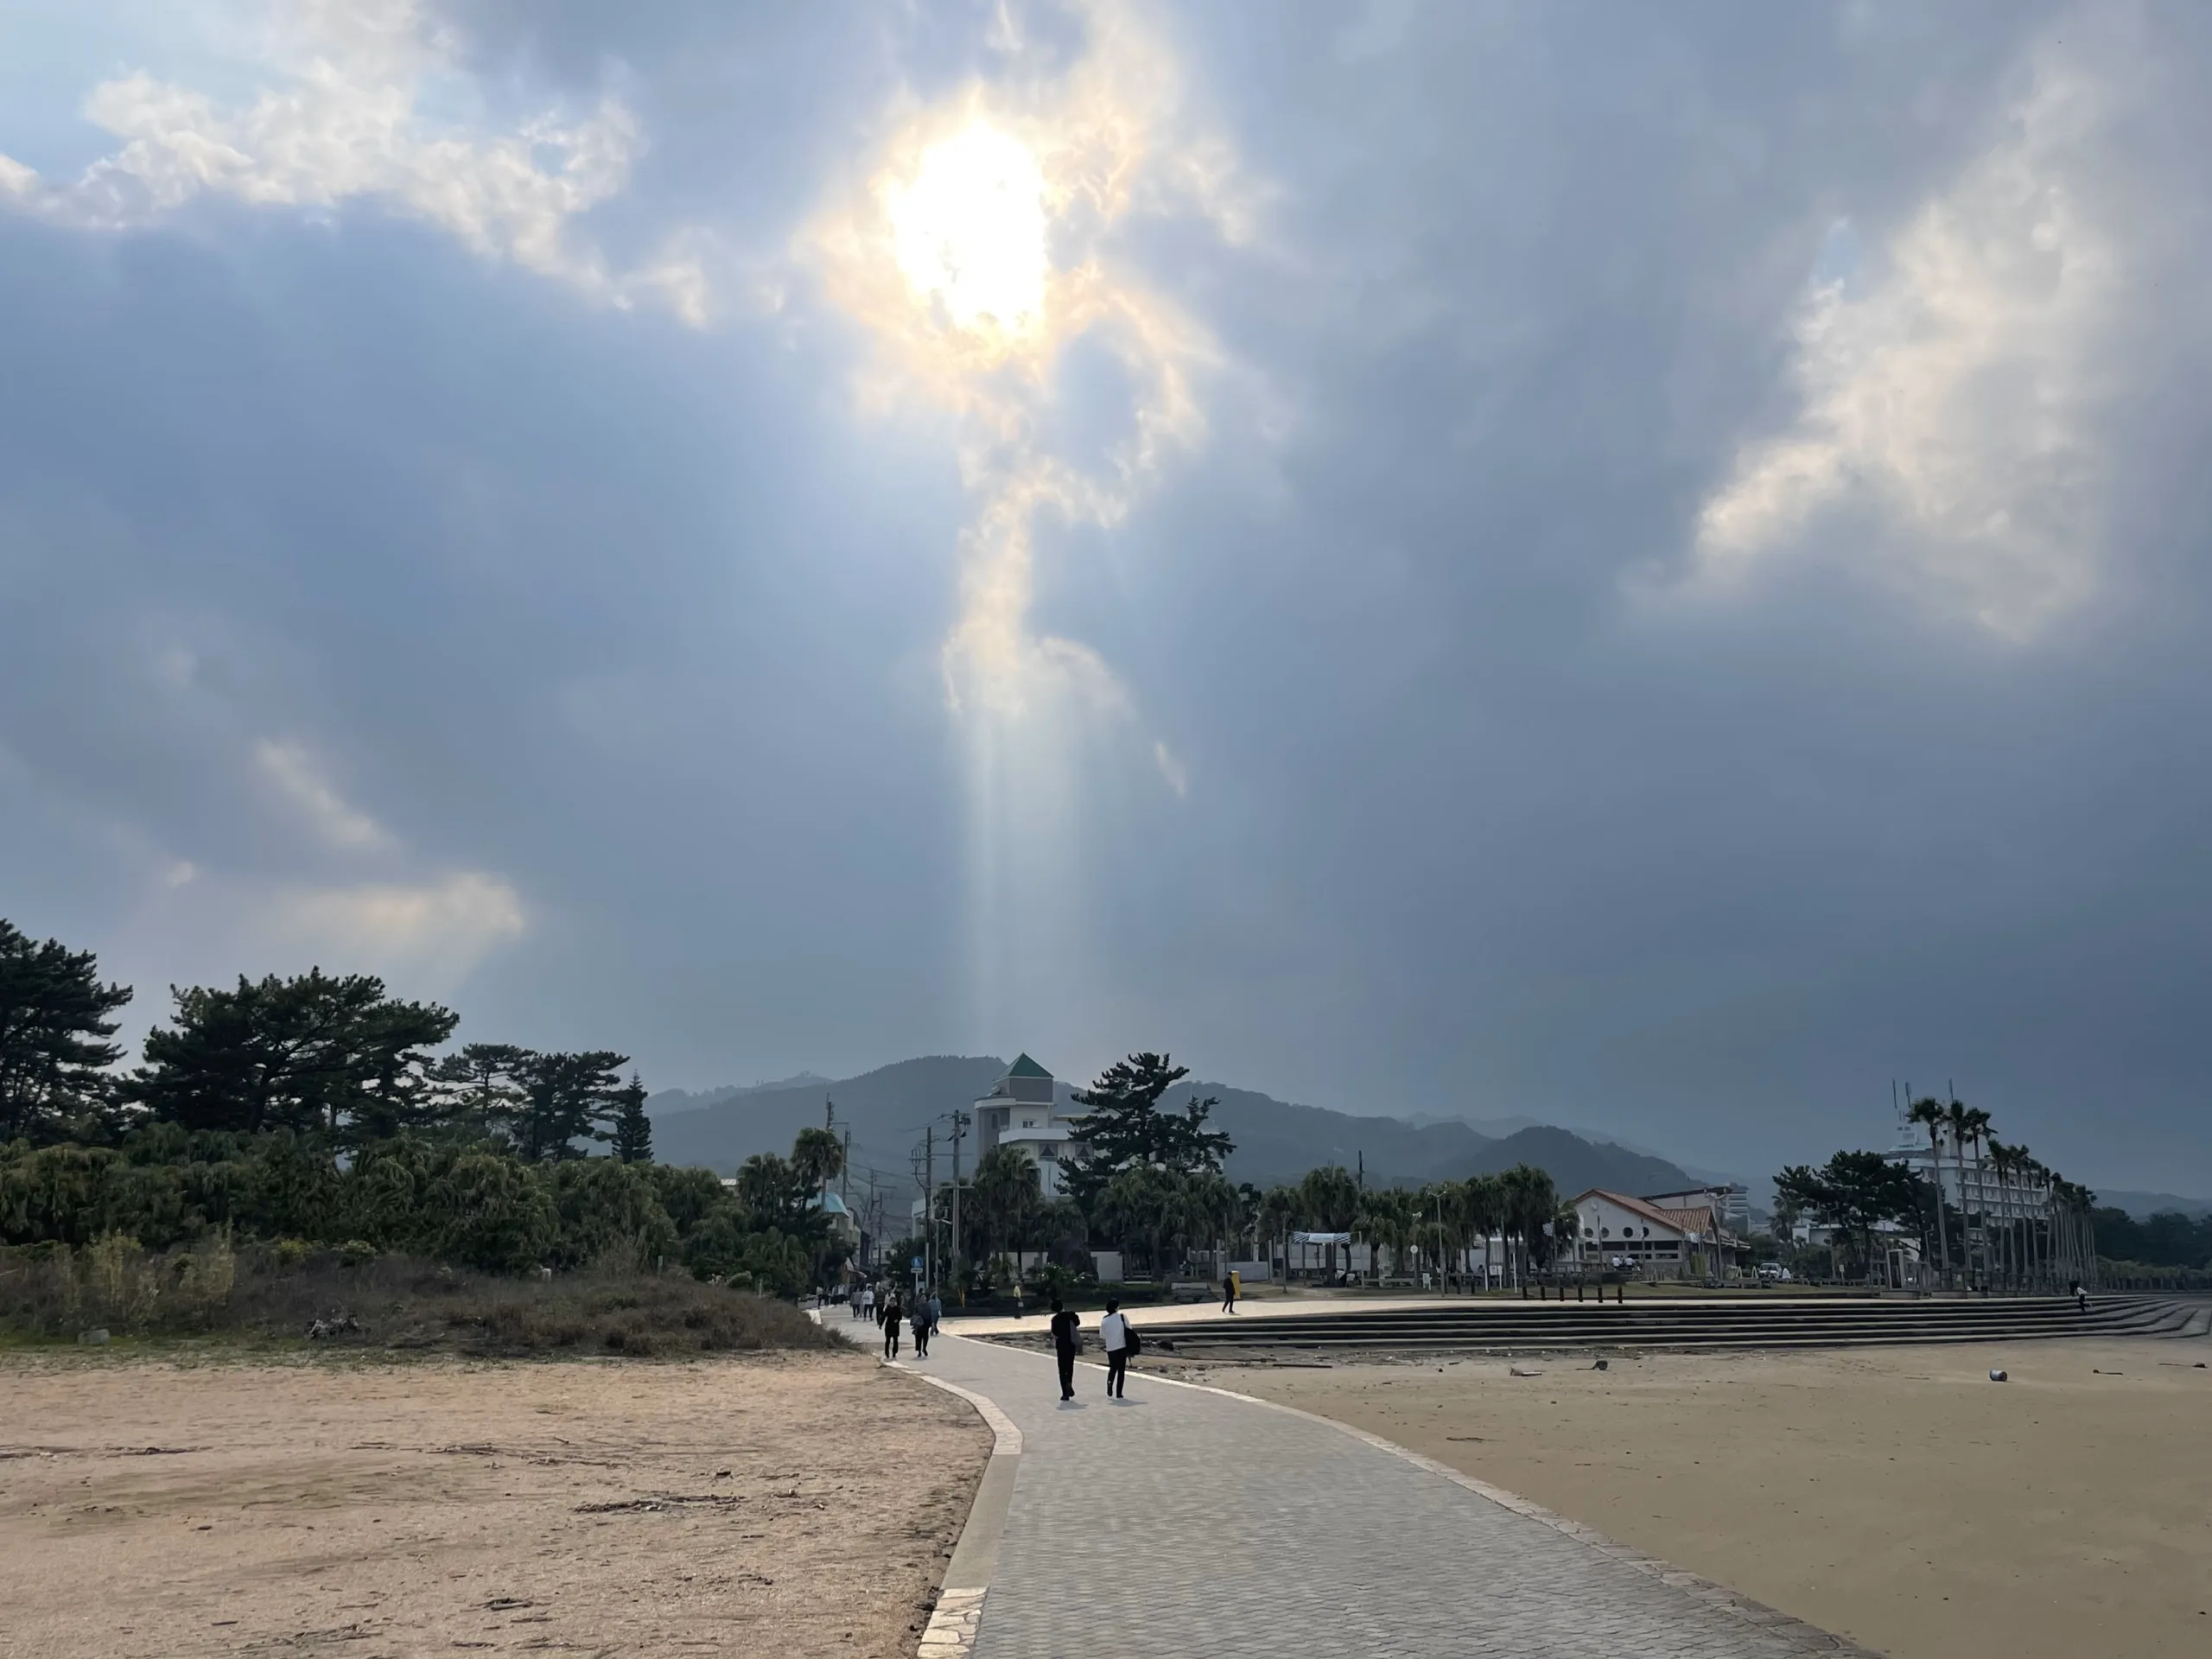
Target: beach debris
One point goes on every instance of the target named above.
(336, 1324)
(95, 1338)
(2094, 1371)
(1601, 1365)
(2000, 1377)
(1516, 1371)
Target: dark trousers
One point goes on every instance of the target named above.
(1117, 1371)
(1066, 1356)
(921, 1342)
(890, 1340)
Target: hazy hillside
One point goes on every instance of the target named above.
(886, 1110)
(1576, 1164)
(2143, 1206)
(1277, 1140)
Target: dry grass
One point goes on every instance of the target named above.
(389, 1303)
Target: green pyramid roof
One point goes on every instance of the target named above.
(1026, 1067)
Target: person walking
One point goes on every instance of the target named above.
(919, 1318)
(1113, 1333)
(893, 1314)
(1066, 1327)
(1230, 1287)
(937, 1311)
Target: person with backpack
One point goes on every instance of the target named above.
(920, 1318)
(1120, 1339)
(1067, 1336)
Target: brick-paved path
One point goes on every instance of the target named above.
(1190, 1525)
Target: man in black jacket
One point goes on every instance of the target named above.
(1065, 1326)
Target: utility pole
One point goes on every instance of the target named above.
(845, 1171)
(929, 1204)
(959, 1122)
(875, 1226)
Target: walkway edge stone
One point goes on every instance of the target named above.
(950, 1633)
(1807, 1638)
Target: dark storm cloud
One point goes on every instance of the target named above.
(642, 620)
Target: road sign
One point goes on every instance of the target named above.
(918, 1264)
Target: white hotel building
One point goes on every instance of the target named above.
(1019, 1113)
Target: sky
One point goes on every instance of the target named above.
(1644, 567)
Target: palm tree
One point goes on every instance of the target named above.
(1331, 1199)
(1389, 1221)
(1965, 1123)
(1004, 1192)
(818, 1156)
(2041, 1226)
(1438, 1208)
(1530, 1200)
(1482, 1211)
(2017, 1166)
(1928, 1113)
(1977, 1124)
(1279, 1207)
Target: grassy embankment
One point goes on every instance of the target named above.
(272, 1296)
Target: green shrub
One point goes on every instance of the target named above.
(494, 1213)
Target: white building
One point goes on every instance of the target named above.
(1019, 1113)
(1675, 1240)
(1733, 1202)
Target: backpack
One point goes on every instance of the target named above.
(1130, 1345)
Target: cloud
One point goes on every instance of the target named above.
(1171, 769)
(1949, 402)
(298, 776)
(351, 111)
(978, 249)
(430, 934)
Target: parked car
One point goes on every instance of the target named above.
(1773, 1273)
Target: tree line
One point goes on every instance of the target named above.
(2017, 1224)
(1149, 1184)
(318, 1108)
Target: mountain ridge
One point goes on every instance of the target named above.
(887, 1111)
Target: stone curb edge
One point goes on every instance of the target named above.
(1798, 1634)
(954, 1621)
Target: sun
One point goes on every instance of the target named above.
(969, 232)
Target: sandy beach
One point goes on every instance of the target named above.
(799, 1505)
(1896, 1495)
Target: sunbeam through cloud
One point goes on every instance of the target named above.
(978, 248)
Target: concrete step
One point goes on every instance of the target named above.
(1567, 1326)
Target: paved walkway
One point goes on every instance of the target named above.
(1190, 1525)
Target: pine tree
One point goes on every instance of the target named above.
(315, 1053)
(1126, 1129)
(634, 1131)
(566, 1099)
(53, 1032)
